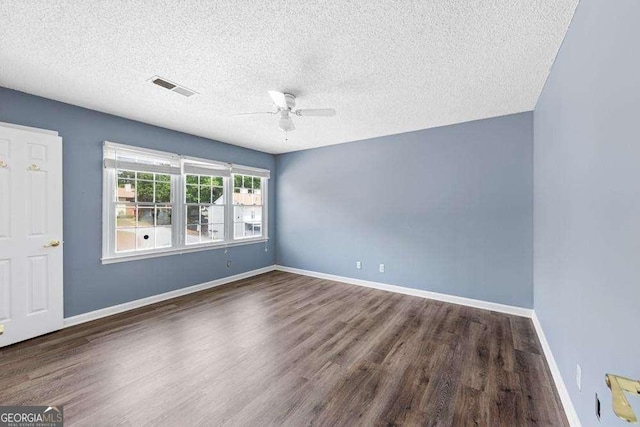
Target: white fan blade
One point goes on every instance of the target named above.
(250, 114)
(323, 112)
(278, 99)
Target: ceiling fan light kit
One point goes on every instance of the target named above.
(285, 104)
(285, 123)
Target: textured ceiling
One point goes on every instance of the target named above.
(386, 66)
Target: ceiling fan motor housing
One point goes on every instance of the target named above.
(291, 100)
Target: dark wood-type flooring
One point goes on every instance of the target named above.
(284, 349)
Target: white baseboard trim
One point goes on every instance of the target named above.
(109, 311)
(569, 409)
(501, 308)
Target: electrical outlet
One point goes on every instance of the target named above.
(358, 265)
(228, 264)
(381, 268)
(579, 377)
(597, 407)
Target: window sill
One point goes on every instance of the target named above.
(180, 251)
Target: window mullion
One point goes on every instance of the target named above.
(264, 192)
(109, 231)
(178, 221)
(229, 225)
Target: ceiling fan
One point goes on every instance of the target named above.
(285, 104)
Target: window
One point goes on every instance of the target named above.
(162, 203)
(143, 210)
(204, 206)
(247, 206)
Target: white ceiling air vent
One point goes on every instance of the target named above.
(173, 87)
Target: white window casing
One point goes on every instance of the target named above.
(145, 161)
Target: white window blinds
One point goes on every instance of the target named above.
(245, 170)
(211, 169)
(124, 158)
(118, 156)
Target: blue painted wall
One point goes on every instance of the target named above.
(446, 210)
(587, 203)
(89, 285)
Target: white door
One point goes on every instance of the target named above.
(31, 301)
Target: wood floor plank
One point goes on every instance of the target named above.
(285, 349)
(476, 356)
(470, 408)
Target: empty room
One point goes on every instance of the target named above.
(292, 213)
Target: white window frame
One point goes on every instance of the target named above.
(207, 166)
(178, 218)
(263, 209)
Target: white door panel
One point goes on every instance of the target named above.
(5, 289)
(31, 286)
